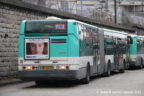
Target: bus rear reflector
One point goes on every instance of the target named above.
(24, 67)
(67, 67)
(33, 67)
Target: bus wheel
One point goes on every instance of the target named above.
(38, 82)
(141, 65)
(108, 73)
(86, 80)
(122, 70)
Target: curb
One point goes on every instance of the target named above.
(11, 82)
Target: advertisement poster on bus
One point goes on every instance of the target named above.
(36, 48)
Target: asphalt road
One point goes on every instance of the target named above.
(130, 83)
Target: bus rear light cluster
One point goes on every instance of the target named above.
(62, 67)
(28, 67)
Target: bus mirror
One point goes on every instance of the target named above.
(130, 41)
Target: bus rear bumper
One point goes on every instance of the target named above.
(49, 75)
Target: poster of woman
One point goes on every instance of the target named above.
(36, 48)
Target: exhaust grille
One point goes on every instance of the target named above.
(58, 40)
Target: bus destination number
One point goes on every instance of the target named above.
(60, 26)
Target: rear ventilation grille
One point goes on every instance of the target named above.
(58, 40)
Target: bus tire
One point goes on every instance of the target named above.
(122, 70)
(108, 73)
(86, 80)
(38, 83)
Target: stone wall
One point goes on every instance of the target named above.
(10, 19)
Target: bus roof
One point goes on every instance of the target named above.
(118, 34)
(69, 20)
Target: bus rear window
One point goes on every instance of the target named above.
(46, 27)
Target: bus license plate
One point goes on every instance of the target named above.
(46, 67)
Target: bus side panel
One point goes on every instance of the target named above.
(21, 42)
(133, 47)
(73, 40)
(140, 55)
(22, 27)
(142, 51)
(73, 47)
(21, 47)
(133, 52)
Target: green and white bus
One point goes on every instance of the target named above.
(137, 51)
(68, 50)
(116, 49)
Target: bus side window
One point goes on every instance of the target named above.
(89, 36)
(80, 31)
(94, 36)
(139, 46)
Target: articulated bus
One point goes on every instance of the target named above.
(116, 49)
(136, 51)
(68, 50)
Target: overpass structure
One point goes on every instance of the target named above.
(64, 15)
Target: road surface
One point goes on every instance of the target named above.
(130, 83)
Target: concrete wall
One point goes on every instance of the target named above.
(131, 18)
(10, 19)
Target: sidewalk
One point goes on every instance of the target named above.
(10, 81)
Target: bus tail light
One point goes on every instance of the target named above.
(67, 67)
(24, 68)
(33, 67)
(64, 67)
(28, 67)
